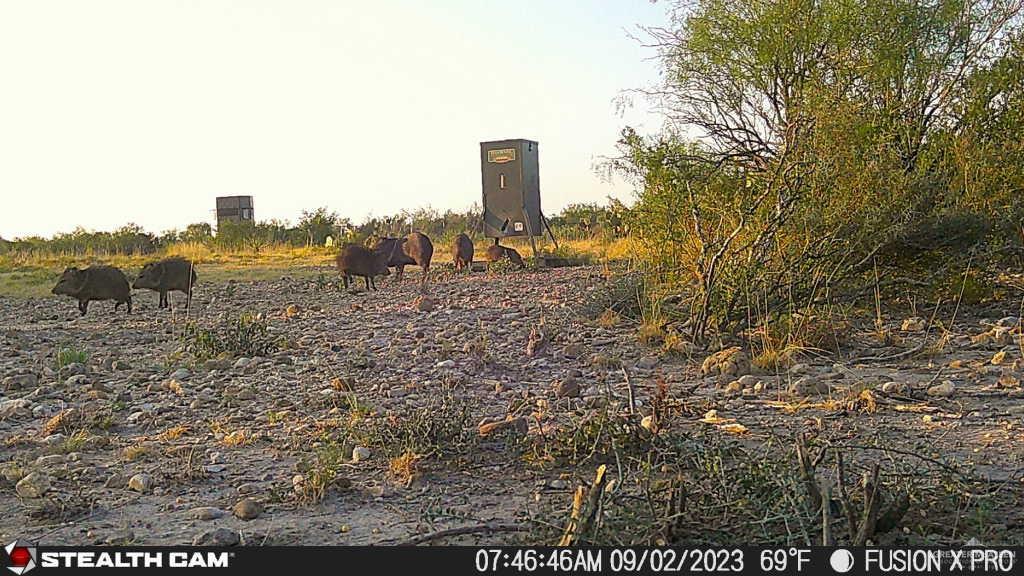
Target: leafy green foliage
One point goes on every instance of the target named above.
(247, 335)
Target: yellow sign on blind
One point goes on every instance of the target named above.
(501, 156)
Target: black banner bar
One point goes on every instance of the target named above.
(25, 558)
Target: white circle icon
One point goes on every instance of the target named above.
(841, 560)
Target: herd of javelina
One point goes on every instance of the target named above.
(178, 274)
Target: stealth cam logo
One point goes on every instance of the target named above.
(21, 556)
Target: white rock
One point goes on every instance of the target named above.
(35, 485)
(943, 390)
(360, 453)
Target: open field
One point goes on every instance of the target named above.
(33, 275)
(360, 418)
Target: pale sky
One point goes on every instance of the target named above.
(117, 111)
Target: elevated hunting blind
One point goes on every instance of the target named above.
(510, 176)
(234, 209)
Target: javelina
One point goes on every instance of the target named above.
(414, 249)
(496, 252)
(166, 275)
(95, 283)
(462, 252)
(356, 260)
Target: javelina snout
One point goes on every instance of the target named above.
(356, 260)
(94, 283)
(167, 275)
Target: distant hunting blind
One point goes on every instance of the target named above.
(510, 177)
(234, 209)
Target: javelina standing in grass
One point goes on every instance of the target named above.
(462, 252)
(95, 283)
(356, 260)
(166, 275)
(414, 249)
(496, 252)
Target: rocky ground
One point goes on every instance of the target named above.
(113, 432)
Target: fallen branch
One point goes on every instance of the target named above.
(460, 531)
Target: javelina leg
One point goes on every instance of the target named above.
(129, 304)
(116, 305)
(369, 282)
(163, 300)
(83, 306)
(344, 280)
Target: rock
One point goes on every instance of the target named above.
(520, 425)
(181, 374)
(809, 386)
(425, 304)
(76, 381)
(360, 453)
(248, 488)
(914, 324)
(217, 537)
(569, 387)
(894, 388)
(247, 509)
(73, 369)
(217, 364)
(648, 422)
(748, 381)
(943, 390)
(1008, 380)
(648, 362)
(573, 350)
(140, 483)
(9, 408)
(734, 388)
(797, 369)
(49, 460)
(999, 358)
(242, 363)
(12, 472)
(291, 311)
(446, 364)
(35, 485)
(20, 382)
(732, 362)
(206, 513)
(1008, 322)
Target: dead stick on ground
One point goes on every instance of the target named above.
(460, 531)
(629, 389)
(807, 473)
(584, 514)
(844, 496)
(872, 501)
(826, 525)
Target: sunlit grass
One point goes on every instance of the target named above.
(32, 275)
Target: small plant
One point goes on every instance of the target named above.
(67, 356)
(248, 335)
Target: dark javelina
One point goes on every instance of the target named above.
(95, 283)
(496, 252)
(414, 249)
(166, 275)
(462, 252)
(356, 260)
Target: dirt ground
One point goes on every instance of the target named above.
(126, 439)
